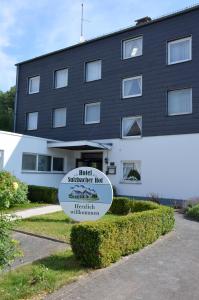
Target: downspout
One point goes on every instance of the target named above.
(16, 98)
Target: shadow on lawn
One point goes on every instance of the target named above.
(60, 262)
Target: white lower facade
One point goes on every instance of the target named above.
(166, 165)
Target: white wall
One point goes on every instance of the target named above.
(169, 165)
(15, 144)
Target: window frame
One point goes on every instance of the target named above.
(54, 78)
(130, 78)
(52, 164)
(122, 171)
(127, 40)
(92, 104)
(53, 110)
(85, 70)
(179, 114)
(27, 120)
(175, 42)
(32, 154)
(131, 137)
(29, 79)
(37, 161)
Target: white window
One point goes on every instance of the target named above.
(29, 162)
(92, 113)
(44, 163)
(131, 127)
(61, 78)
(93, 70)
(32, 120)
(179, 51)
(58, 164)
(131, 171)
(132, 47)
(132, 87)
(59, 117)
(180, 102)
(33, 84)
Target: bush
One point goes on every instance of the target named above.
(120, 206)
(124, 205)
(42, 194)
(12, 190)
(97, 244)
(8, 249)
(193, 212)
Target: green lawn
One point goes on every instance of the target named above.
(20, 207)
(40, 278)
(56, 225)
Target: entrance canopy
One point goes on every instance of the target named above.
(80, 145)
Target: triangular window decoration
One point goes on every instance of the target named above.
(134, 130)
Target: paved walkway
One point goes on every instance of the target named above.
(166, 270)
(35, 248)
(27, 213)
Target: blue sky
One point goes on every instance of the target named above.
(30, 28)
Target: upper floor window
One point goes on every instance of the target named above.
(132, 47)
(32, 120)
(33, 84)
(131, 127)
(179, 51)
(180, 102)
(132, 87)
(59, 117)
(92, 113)
(61, 78)
(93, 70)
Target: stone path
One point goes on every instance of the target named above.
(166, 270)
(27, 213)
(35, 248)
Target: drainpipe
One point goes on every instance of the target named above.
(16, 98)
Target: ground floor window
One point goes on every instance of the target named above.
(131, 171)
(42, 163)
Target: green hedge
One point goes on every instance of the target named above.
(42, 194)
(124, 205)
(193, 212)
(98, 244)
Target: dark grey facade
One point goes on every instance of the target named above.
(158, 78)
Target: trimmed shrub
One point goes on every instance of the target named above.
(42, 194)
(120, 206)
(124, 205)
(12, 190)
(193, 212)
(98, 244)
(8, 249)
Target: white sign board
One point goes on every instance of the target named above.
(85, 194)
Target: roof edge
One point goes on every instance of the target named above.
(153, 21)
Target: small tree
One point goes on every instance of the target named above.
(12, 190)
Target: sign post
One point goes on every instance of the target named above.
(85, 194)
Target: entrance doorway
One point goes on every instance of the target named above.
(90, 159)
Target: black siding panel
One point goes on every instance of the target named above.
(158, 77)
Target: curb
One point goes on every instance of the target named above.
(41, 236)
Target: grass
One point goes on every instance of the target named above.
(20, 207)
(44, 276)
(56, 225)
(193, 212)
